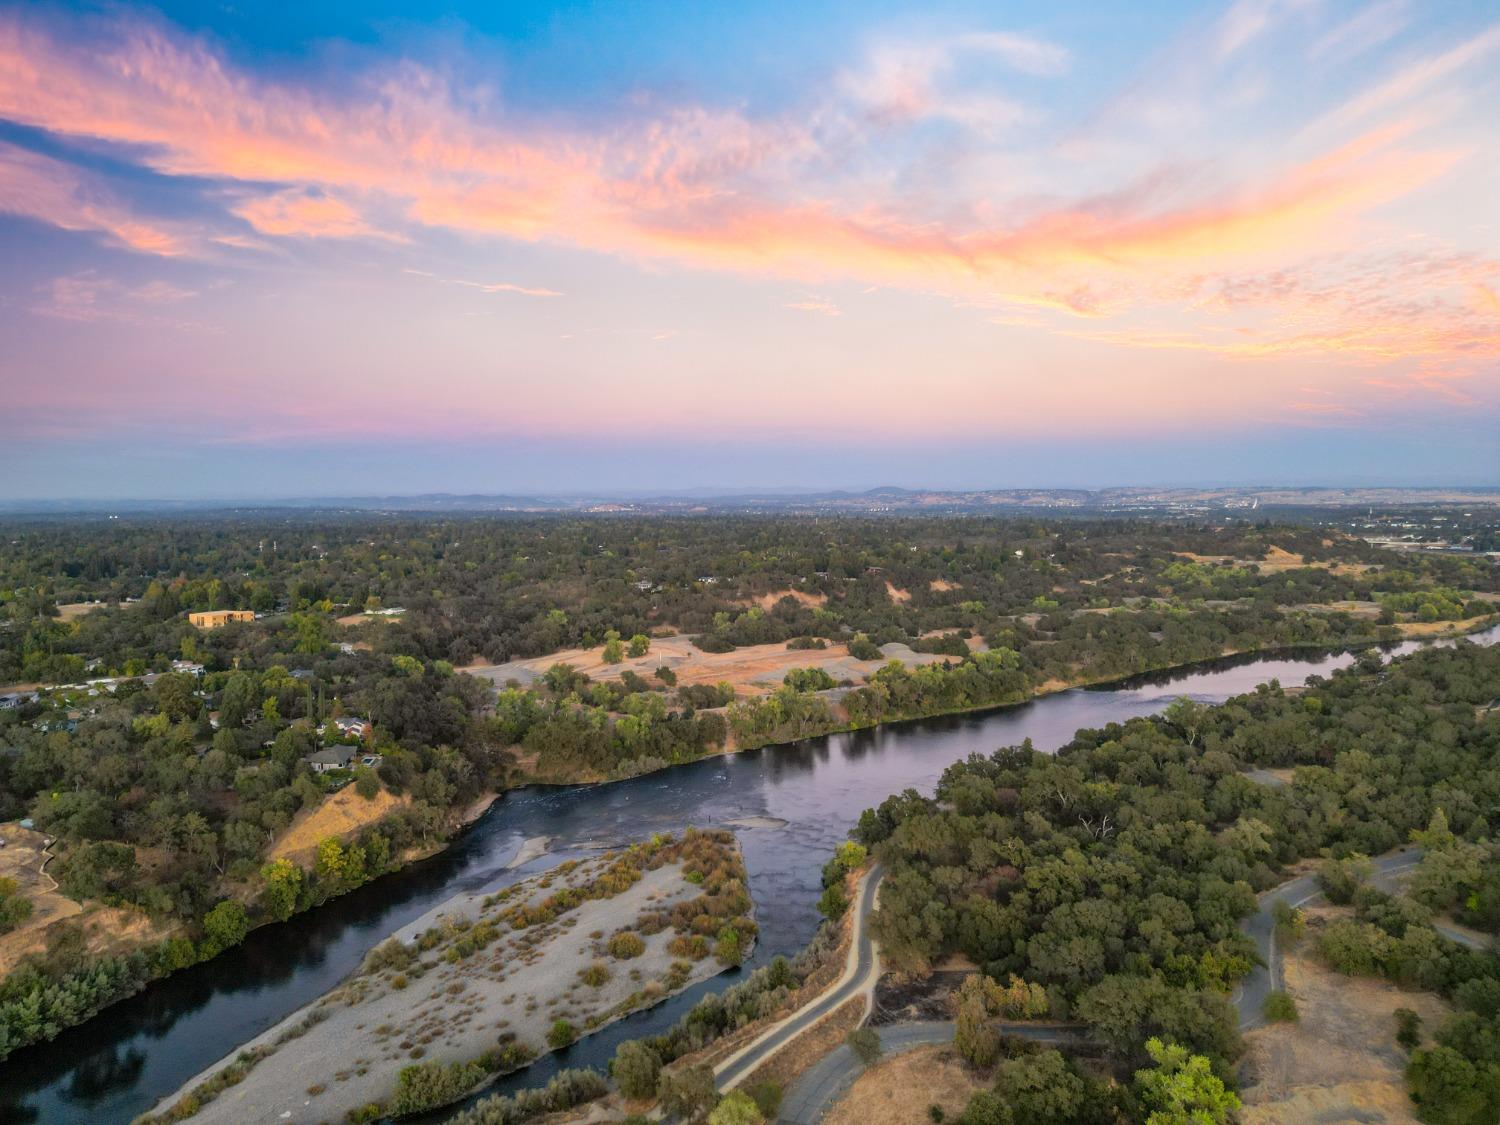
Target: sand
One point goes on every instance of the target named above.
(377, 1022)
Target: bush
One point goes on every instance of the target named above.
(626, 945)
(428, 1085)
(636, 1069)
(737, 1108)
(1408, 1029)
(1280, 1008)
(689, 1093)
(567, 1089)
(767, 1097)
(562, 1034)
(595, 975)
(864, 1042)
(862, 648)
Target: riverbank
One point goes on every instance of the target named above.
(819, 785)
(555, 957)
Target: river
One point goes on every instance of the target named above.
(114, 1067)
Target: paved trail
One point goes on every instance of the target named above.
(815, 1090)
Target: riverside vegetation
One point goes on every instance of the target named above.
(168, 790)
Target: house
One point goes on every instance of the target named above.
(191, 667)
(358, 728)
(333, 758)
(16, 699)
(218, 618)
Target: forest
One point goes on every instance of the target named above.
(1107, 883)
(168, 760)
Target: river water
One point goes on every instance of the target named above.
(115, 1066)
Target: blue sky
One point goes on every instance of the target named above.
(386, 247)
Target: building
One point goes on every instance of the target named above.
(358, 728)
(218, 618)
(191, 667)
(333, 758)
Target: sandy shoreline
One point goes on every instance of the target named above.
(480, 971)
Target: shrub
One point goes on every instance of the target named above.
(689, 1093)
(864, 1042)
(596, 974)
(767, 1097)
(626, 945)
(425, 1086)
(636, 1069)
(737, 1108)
(1280, 1008)
(1408, 1029)
(862, 648)
(562, 1034)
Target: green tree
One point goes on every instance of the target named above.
(640, 645)
(614, 650)
(1182, 1089)
(636, 1068)
(224, 926)
(736, 1108)
(688, 1093)
(283, 888)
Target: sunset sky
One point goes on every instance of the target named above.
(396, 248)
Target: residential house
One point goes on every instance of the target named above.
(218, 618)
(333, 758)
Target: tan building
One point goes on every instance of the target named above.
(218, 618)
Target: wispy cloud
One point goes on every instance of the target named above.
(815, 304)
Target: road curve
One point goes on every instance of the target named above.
(861, 971)
(1250, 997)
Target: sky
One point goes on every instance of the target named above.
(385, 248)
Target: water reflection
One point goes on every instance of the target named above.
(115, 1066)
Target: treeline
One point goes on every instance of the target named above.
(500, 588)
(1115, 874)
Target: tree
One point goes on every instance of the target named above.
(689, 1093)
(736, 1108)
(614, 651)
(366, 783)
(283, 888)
(1408, 1029)
(1451, 1090)
(1181, 1089)
(636, 1068)
(15, 908)
(640, 645)
(224, 926)
(1045, 1089)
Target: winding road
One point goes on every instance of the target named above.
(861, 971)
(825, 1082)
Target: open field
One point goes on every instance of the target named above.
(1340, 1062)
(1278, 561)
(898, 1090)
(106, 929)
(754, 669)
(485, 970)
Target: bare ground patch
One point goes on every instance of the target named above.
(1341, 1061)
(342, 814)
(898, 1090)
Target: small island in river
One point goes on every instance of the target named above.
(486, 982)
